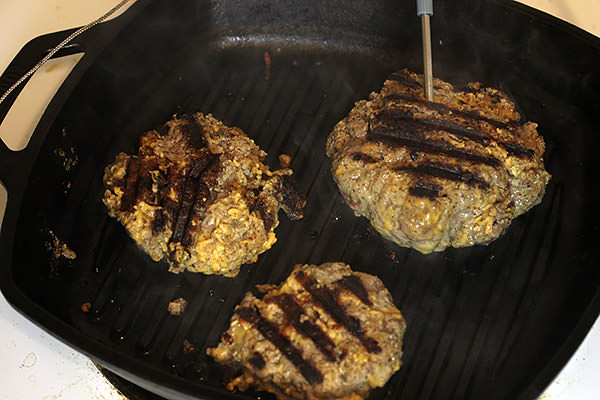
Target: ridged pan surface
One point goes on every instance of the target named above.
(483, 322)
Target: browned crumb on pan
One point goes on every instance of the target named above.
(188, 347)
(86, 307)
(177, 306)
(57, 248)
(285, 160)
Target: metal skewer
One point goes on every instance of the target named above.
(425, 10)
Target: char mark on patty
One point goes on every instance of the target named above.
(327, 300)
(463, 129)
(194, 195)
(355, 285)
(365, 158)
(448, 172)
(294, 313)
(264, 212)
(425, 189)
(405, 79)
(130, 184)
(393, 116)
(443, 109)
(270, 332)
(409, 135)
(292, 201)
(193, 131)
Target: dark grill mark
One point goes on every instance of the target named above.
(145, 180)
(408, 98)
(159, 222)
(138, 182)
(257, 361)
(424, 189)
(293, 311)
(205, 159)
(444, 109)
(392, 116)
(292, 202)
(174, 181)
(185, 205)
(407, 136)
(405, 79)
(516, 150)
(327, 300)
(193, 131)
(367, 159)
(259, 291)
(510, 125)
(194, 198)
(272, 334)
(202, 198)
(197, 212)
(211, 173)
(130, 189)
(355, 285)
(264, 213)
(449, 172)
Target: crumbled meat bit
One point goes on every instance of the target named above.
(86, 307)
(285, 160)
(177, 306)
(188, 347)
(69, 157)
(59, 249)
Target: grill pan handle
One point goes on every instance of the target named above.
(25, 60)
(16, 164)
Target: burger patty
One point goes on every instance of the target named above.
(428, 175)
(197, 195)
(325, 333)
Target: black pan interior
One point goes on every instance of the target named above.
(494, 322)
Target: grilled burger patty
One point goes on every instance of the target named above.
(428, 175)
(198, 195)
(325, 333)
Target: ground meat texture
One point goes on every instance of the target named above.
(197, 194)
(325, 333)
(429, 175)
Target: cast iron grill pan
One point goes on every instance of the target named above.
(494, 322)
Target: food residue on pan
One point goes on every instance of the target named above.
(188, 347)
(285, 160)
(177, 306)
(69, 157)
(59, 253)
(69, 160)
(57, 248)
(86, 307)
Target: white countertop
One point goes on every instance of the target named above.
(35, 365)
